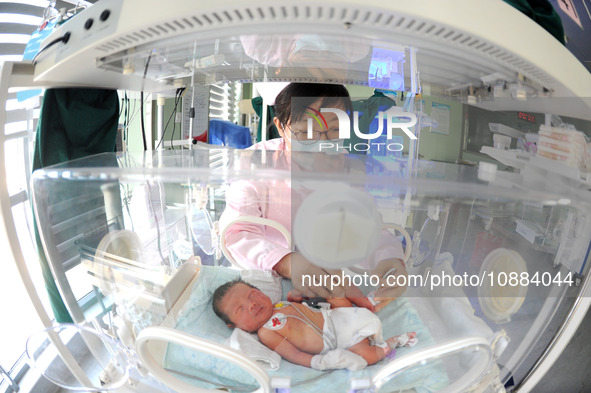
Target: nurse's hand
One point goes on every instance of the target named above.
(390, 272)
(309, 280)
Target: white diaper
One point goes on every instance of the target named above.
(346, 326)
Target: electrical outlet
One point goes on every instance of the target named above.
(179, 117)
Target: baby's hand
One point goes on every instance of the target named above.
(295, 296)
(363, 302)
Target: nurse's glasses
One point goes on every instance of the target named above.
(309, 138)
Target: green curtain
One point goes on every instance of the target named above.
(542, 12)
(73, 123)
(271, 131)
(368, 108)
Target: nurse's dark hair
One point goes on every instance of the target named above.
(218, 296)
(308, 93)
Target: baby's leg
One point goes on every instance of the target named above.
(371, 353)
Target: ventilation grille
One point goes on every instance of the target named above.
(339, 17)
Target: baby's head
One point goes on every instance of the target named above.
(241, 305)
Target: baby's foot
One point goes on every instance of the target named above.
(404, 340)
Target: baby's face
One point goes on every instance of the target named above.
(248, 308)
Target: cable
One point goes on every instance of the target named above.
(132, 113)
(129, 112)
(178, 91)
(142, 120)
(174, 123)
(173, 130)
(177, 99)
(142, 105)
(165, 127)
(65, 38)
(126, 119)
(323, 334)
(121, 110)
(121, 107)
(167, 123)
(158, 234)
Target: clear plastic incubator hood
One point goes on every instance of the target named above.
(143, 231)
(492, 269)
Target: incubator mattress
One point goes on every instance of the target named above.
(197, 318)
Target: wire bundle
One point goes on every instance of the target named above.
(177, 99)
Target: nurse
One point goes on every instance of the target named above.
(262, 247)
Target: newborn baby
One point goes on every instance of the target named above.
(343, 337)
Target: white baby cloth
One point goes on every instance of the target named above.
(249, 345)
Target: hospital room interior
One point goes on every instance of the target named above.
(293, 196)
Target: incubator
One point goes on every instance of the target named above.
(496, 260)
(482, 285)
